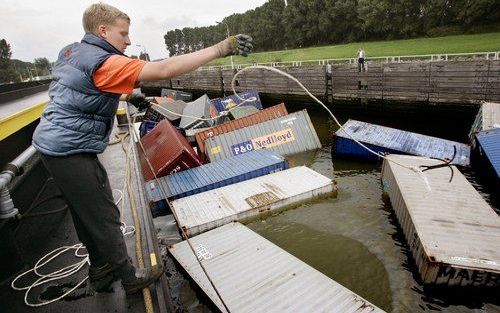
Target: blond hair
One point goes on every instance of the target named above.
(101, 14)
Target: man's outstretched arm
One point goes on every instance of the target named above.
(174, 66)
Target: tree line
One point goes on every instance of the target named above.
(305, 23)
(13, 71)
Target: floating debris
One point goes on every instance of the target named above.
(167, 150)
(286, 135)
(488, 117)
(391, 140)
(453, 233)
(252, 274)
(198, 109)
(162, 108)
(242, 111)
(176, 94)
(224, 104)
(261, 116)
(488, 152)
(213, 208)
(211, 176)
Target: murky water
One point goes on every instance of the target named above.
(354, 238)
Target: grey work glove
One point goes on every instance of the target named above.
(138, 100)
(239, 44)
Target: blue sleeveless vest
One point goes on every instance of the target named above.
(79, 117)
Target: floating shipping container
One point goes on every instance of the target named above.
(242, 111)
(146, 127)
(213, 175)
(488, 117)
(199, 108)
(164, 108)
(177, 94)
(214, 208)
(488, 152)
(226, 103)
(261, 116)
(289, 134)
(254, 275)
(168, 151)
(453, 233)
(391, 140)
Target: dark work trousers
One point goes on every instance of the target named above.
(84, 183)
(361, 64)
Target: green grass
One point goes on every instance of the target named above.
(436, 45)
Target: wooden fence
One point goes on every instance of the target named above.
(464, 82)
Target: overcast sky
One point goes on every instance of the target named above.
(40, 28)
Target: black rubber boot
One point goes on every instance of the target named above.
(143, 277)
(96, 273)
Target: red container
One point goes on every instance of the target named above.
(259, 117)
(168, 151)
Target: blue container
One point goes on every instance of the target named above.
(226, 103)
(213, 175)
(385, 139)
(488, 150)
(146, 127)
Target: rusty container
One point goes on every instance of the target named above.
(259, 117)
(167, 150)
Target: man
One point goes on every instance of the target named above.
(361, 59)
(89, 79)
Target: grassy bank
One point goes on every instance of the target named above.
(436, 45)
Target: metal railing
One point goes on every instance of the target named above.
(14, 168)
(383, 59)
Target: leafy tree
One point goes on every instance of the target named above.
(7, 73)
(475, 12)
(305, 23)
(42, 66)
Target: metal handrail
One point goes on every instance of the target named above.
(14, 168)
(493, 55)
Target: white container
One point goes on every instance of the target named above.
(254, 275)
(214, 208)
(453, 233)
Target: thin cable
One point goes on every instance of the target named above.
(59, 274)
(272, 69)
(184, 233)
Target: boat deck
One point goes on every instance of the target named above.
(57, 230)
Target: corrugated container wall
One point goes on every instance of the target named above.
(194, 111)
(162, 108)
(177, 94)
(289, 134)
(488, 117)
(254, 275)
(453, 233)
(226, 103)
(249, 198)
(168, 151)
(242, 111)
(488, 152)
(261, 116)
(392, 140)
(212, 175)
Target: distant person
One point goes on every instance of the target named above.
(89, 79)
(329, 69)
(361, 59)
